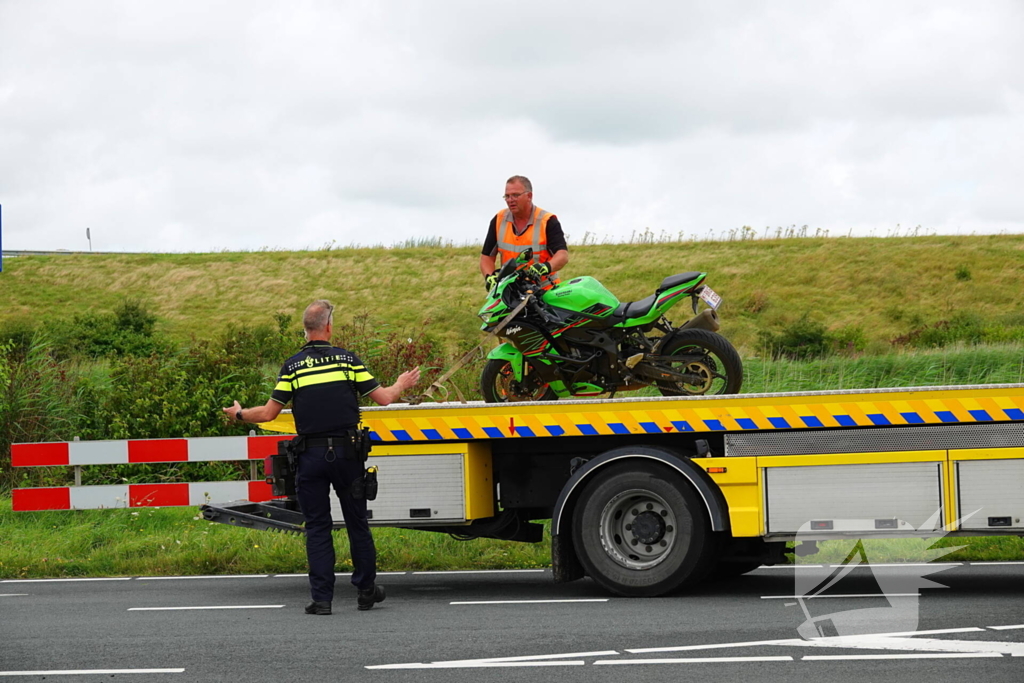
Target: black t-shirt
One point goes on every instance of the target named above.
(318, 380)
(556, 240)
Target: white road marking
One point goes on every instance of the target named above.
(529, 658)
(522, 602)
(77, 672)
(848, 595)
(475, 665)
(872, 642)
(12, 595)
(914, 648)
(901, 564)
(930, 655)
(217, 576)
(712, 646)
(994, 563)
(171, 609)
(1006, 628)
(790, 566)
(695, 660)
(114, 578)
(486, 571)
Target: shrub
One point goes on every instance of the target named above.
(802, 339)
(388, 353)
(806, 339)
(127, 331)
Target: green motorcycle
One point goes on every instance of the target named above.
(576, 339)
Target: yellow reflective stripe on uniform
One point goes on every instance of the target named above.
(322, 378)
(283, 385)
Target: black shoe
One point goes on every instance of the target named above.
(368, 598)
(317, 607)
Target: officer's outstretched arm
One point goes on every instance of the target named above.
(383, 396)
(264, 413)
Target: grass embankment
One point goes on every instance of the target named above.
(885, 286)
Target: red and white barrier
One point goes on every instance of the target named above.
(137, 451)
(138, 495)
(202, 449)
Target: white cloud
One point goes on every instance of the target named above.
(200, 126)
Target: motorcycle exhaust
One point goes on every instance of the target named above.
(705, 320)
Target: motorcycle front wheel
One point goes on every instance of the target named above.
(709, 361)
(498, 385)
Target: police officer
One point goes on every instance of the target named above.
(523, 226)
(322, 381)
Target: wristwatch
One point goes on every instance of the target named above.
(238, 415)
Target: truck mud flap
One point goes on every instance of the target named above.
(262, 516)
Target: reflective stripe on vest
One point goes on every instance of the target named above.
(534, 237)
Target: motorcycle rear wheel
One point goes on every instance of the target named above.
(706, 355)
(498, 385)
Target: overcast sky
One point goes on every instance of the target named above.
(211, 125)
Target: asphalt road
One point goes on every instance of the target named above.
(505, 626)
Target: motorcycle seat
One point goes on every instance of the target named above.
(673, 280)
(635, 309)
(638, 309)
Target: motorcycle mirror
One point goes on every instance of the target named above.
(526, 256)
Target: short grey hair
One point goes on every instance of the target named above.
(521, 179)
(317, 315)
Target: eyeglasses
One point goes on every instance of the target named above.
(516, 195)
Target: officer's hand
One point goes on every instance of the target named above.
(539, 270)
(490, 281)
(407, 380)
(231, 411)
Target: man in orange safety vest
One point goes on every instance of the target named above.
(524, 226)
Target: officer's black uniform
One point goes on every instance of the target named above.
(319, 381)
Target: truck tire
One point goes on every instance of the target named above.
(640, 529)
(497, 385)
(706, 355)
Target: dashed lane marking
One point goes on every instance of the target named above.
(523, 602)
(113, 578)
(486, 571)
(83, 672)
(172, 609)
(216, 576)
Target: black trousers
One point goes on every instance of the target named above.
(319, 471)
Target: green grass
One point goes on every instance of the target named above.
(886, 285)
(177, 541)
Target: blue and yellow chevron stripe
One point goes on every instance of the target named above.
(461, 422)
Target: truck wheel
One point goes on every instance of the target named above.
(640, 530)
(707, 357)
(498, 385)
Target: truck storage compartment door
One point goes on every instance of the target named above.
(832, 499)
(990, 492)
(424, 485)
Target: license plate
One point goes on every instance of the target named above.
(709, 297)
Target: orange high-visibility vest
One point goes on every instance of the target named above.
(534, 237)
